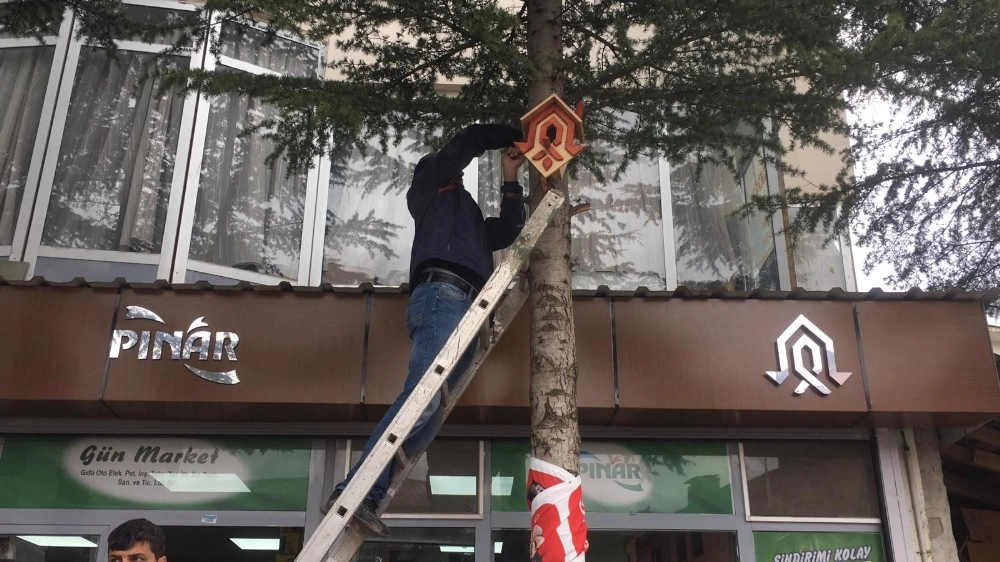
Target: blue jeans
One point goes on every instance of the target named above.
(433, 312)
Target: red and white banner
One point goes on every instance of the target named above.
(558, 523)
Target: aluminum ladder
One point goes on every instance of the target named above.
(334, 539)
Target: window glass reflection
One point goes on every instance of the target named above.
(715, 247)
(49, 547)
(208, 543)
(368, 227)
(424, 545)
(169, 22)
(819, 264)
(445, 480)
(618, 242)
(629, 477)
(250, 211)
(116, 161)
(811, 479)
(269, 51)
(24, 77)
(631, 546)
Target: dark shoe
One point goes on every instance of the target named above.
(325, 508)
(366, 514)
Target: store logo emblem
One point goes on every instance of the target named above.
(814, 341)
(181, 347)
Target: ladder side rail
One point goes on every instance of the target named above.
(430, 384)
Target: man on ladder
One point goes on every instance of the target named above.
(450, 261)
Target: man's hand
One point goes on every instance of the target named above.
(511, 163)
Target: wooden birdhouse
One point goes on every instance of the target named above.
(554, 134)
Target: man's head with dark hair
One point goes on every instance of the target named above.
(138, 540)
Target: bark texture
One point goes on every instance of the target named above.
(555, 431)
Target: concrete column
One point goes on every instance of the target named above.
(935, 498)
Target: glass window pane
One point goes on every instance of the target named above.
(714, 247)
(445, 480)
(632, 477)
(24, 77)
(45, 547)
(631, 546)
(149, 473)
(619, 241)
(811, 479)
(116, 160)
(50, 27)
(272, 52)
(158, 17)
(819, 266)
(423, 545)
(238, 544)
(368, 227)
(249, 212)
(761, 260)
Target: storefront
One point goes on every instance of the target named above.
(717, 427)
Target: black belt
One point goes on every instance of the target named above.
(433, 274)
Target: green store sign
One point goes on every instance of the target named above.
(154, 473)
(633, 477)
(818, 547)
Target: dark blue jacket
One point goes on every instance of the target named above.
(451, 231)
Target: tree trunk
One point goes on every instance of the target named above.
(555, 431)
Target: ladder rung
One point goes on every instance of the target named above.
(401, 456)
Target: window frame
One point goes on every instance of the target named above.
(786, 519)
(66, 79)
(183, 263)
(16, 250)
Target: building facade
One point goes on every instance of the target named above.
(192, 335)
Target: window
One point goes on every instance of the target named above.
(368, 229)
(243, 544)
(112, 178)
(623, 242)
(423, 544)
(82, 548)
(113, 169)
(250, 214)
(24, 76)
(618, 242)
(820, 264)
(810, 479)
(715, 248)
(632, 546)
(629, 477)
(445, 480)
(117, 155)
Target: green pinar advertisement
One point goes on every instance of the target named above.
(633, 477)
(818, 547)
